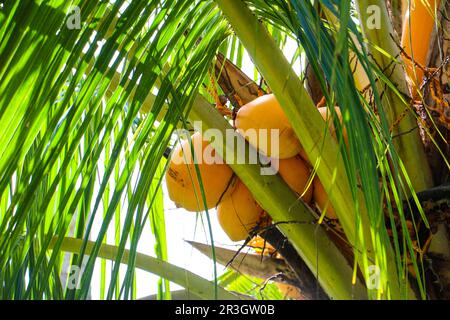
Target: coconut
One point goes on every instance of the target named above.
(321, 199)
(266, 113)
(304, 156)
(295, 172)
(326, 115)
(239, 213)
(418, 25)
(182, 179)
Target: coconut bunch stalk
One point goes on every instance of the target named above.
(198, 286)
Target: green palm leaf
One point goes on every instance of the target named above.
(92, 91)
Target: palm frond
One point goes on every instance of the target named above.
(64, 115)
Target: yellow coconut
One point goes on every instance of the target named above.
(266, 113)
(182, 180)
(416, 37)
(239, 213)
(321, 199)
(295, 172)
(327, 116)
(305, 158)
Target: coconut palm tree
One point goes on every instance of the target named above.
(91, 93)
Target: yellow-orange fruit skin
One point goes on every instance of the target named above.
(266, 113)
(239, 213)
(326, 115)
(304, 156)
(182, 182)
(418, 27)
(295, 172)
(321, 199)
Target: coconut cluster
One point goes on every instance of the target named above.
(238, 212)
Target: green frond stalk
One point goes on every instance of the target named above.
(58, 125)
(196, 284)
